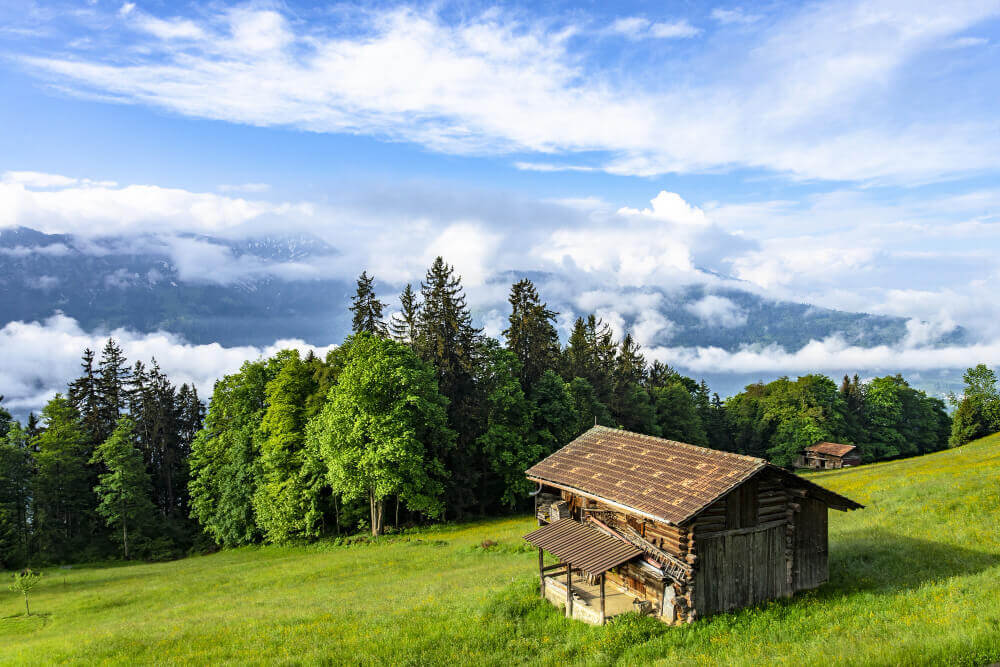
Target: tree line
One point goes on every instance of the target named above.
(104, 471)
(414, 417)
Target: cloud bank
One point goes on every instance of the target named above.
(40, 358)
(823, 92)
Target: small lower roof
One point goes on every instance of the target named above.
(582, 546)
(831, 448)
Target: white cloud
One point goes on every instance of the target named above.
(718, 311)
(674, 30)
(59, 204)
(735, 15)
(669, 206)
(827, 355)
(638, 27)
(40, 358)
(797, 97)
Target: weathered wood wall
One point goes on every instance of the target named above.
(740, 568)
(810, 567)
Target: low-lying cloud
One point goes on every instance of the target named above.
(40, 358)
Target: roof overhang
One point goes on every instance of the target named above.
(582, 546)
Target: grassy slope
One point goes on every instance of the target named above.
(915, 578)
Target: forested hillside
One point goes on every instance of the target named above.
(410, 420)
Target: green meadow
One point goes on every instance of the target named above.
(914, 579)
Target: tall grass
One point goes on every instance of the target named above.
(914, 579)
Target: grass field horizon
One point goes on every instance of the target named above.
(914, 579)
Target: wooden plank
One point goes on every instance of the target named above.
(744, 531)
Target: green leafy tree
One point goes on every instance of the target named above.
(381, 427)
(287, 501)
(24, 582)
(531, 333)
(367, 308)
(224, 461)
(977, 413)
(123, 491)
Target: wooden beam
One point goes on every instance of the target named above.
(541, 572)
(744, 531)
(569, 590)
(603, 617)
(554, 566)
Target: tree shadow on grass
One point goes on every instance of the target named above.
(885, 562)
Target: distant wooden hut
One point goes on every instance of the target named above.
(827, 455)
(670, 529)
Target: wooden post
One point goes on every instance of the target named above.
(541, 572)
(603, 575)
(569, 590)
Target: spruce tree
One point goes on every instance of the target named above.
(447, 340)
(63, 499)
(531, 333)
(123, 491)
(112, 390)
(16, 476)
(84, 395)
(403, 325)
(367, 308)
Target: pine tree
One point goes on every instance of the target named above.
(531, 333)
(447, 340)
(403, 325)
(112, 390)
(123, 491)
(62, 495)
(367, 308)
(33, 428)
(16, 472)
(85, 397)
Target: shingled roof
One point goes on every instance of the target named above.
(664, 479)
(831, 448)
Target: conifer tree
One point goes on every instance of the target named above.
(84, 395)
(16, 468)
(367, 308)
(447, 340)
(403, 325)
(33, 428)
(112, 390)
(63, 498)
(123, 491)
(531, 333)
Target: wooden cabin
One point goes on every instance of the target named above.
(828, 455)
(661, 527)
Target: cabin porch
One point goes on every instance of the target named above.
(586, 605)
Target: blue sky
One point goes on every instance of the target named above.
(844, 154)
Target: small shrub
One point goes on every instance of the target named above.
(24, 581)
